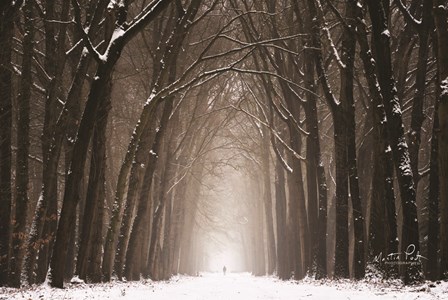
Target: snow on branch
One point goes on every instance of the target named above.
(328, 35)
(407, 14)
(88, 43)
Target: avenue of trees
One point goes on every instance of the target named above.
(118, 119)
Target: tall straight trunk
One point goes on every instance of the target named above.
(280, 209)
(358, 216)
(313, 158)
(381, 40)
(167, 242)
(167, 171)
(23, 145)
(299, 216)
(178, 224)
(321, 260)
(96, 253)
(7, 12)
(267, 200)
(440, 16)
(296, 263)
(341, 268)
(170, 190)
(297, 236)
(432, 202)
(71, 253)
(260, 261)
(256, 228)
(348, 105)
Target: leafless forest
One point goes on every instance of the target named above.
(140, 139)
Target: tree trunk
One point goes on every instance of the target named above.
(440, 16)
(7, 12)
(348, 106)
(23, 145)
(95, 186)
(317, 203)
(417, 116)
(167, 172)
(342, 250)
(432, 202)
(267, 200)
(280, 209)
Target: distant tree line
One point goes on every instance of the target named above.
(114, 113)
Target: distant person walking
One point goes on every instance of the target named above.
(224, 269)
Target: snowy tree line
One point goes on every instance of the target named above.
(114, 114)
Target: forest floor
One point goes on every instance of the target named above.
(233, 286)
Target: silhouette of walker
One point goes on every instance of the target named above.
(224, 269)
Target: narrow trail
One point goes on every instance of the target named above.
(215, 286)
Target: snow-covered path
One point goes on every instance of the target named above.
(231, 286)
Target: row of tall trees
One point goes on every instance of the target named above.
(113, 119)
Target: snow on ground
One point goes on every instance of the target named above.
(216, 286)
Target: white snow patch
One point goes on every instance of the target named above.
(150, 98)
(396, 109)
(386, 32)
(118, 32)
(444, 87)
(76, 280)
